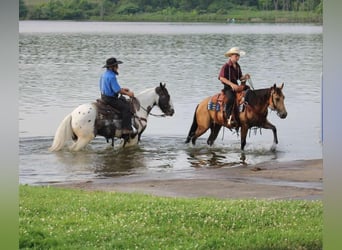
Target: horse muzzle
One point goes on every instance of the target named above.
(282, 115)
(170, 112)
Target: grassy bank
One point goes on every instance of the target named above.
(52, 218)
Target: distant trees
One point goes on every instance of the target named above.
(22, 9)
(87, 9)
(289, 5)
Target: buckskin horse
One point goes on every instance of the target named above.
(97, 118)
(210, 113)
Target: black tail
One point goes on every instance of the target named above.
(193, 128)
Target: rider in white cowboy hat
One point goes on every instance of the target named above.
(229, 76)
(235, 50)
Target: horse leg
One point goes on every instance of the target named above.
(244, 130)
(201, 122)
(82, 123)
(196, 130)
(192, 128)
(199, 131)
(81, 142)
(269, 125)
(215, 129)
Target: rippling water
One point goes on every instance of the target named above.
(60, 64)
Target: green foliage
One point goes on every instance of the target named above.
(65, 10)
(127, 8)
(140, 10)
(52, 218)
(23, 10)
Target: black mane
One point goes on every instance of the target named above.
(258, 96)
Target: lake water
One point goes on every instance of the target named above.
(60, 64)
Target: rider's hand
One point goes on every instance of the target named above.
(246, 87)
(239, 88)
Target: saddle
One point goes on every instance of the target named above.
(217, 103)
(108, 112)
(109, 119)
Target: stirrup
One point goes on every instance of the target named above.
(231, 122)
(134, 130)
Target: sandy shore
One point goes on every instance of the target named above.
(285, 180)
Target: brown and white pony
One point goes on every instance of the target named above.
(87, 120)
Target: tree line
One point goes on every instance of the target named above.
(104, 9)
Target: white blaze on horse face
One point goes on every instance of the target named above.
(83, 120)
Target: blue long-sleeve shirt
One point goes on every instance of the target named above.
(109, 85)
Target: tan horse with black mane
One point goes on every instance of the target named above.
(210, 113)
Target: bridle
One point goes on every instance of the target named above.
(162, 94)
(273, 107)
(148, 110)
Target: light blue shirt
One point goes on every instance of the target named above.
(109, 85)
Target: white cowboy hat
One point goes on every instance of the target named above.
(234, 50)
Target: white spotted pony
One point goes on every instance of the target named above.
(83, 124)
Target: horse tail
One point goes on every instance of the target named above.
(63, 134)
(193, 127)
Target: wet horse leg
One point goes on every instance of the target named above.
(199, 131)
(244, 130)
(268, 125)
(215, 129)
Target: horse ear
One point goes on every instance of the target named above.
(162, 85)
(282, 85)
(274, 86)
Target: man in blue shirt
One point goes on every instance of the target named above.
(110, 90)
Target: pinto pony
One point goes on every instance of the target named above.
(254, 114)
(92, 119)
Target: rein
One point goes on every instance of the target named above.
(149, 113)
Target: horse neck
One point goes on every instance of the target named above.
(261, 99)
(147, 98)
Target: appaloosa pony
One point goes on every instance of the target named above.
(92, 119)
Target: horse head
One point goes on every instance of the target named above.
(164, 100)
(277, 101)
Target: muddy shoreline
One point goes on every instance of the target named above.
(302, 179)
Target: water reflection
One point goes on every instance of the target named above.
(209, 157)
(155, 155)
(121, 162)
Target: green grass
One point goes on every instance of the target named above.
(53, 218)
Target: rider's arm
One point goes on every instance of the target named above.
(227, 82)
(126, 91)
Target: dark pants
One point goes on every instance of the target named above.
(231, 100)
(124, 107)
